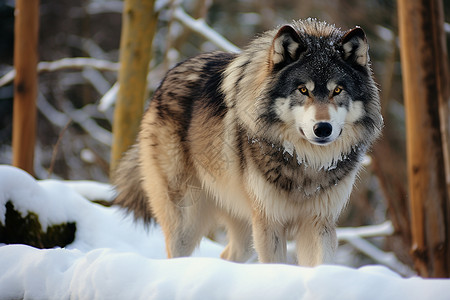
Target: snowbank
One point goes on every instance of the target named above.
(114, 258)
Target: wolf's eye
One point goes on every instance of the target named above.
(303, 90)
(337, 91)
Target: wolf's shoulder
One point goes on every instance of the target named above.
(192, 87)
(196, 73)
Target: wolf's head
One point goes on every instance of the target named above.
(307, 81)
(322, 84)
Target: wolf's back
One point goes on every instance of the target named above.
(127, 181)
(191, 87)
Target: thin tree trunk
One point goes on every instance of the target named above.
(389, 166)
(138, 28)
(26, 29)
(425, 81)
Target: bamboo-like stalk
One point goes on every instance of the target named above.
(138, 29)
(25, 84)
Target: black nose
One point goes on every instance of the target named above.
(322, 129)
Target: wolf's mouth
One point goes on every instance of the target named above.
(323, 141)
(320, 141)
(301, 132)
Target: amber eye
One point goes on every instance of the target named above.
(303, 90)
(337, 91)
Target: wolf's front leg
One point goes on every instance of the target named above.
(316, 242)
(240, 247)
(269, 239)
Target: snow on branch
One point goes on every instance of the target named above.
(383, 229)
(108, 98)
(66, 63)
(79, 116)
(99, 7)
(88, 124)
(386, 258)
(199, 26)
(355, 237)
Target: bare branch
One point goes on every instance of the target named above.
(355, 237)
(54, 116)
(66, 63)
(117, 7)
(105, 7)
(108, 98)
(96, 79)
(88, 124)
(199, 26)
(79, 116)
(385, 258)
(383, 229)
(56, 148)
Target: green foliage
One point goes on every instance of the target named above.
(28, 230)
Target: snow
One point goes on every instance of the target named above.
(114, 258)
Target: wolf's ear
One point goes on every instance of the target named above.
(286, 48)
(356, 48)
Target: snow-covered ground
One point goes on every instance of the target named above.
(114, 258)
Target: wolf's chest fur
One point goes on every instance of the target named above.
(288, 171)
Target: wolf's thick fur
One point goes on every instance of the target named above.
(267, 142)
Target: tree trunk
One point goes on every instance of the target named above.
(26, 31)
(138, 28)
(425, 85)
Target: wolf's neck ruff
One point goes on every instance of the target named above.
(288, 151)
(293, 172)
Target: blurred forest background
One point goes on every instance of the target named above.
(74, 136)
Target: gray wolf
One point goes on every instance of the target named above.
(266, 143)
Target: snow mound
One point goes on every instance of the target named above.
(114, 258)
